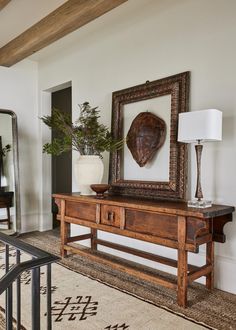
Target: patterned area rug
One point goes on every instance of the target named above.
(79, 302)
(120, 309)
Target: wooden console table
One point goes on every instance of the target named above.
(170, 224)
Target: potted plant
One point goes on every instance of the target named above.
(87, 136)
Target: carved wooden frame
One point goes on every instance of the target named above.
(178, 87)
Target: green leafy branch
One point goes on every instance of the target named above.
(5, 150)
(86, 135)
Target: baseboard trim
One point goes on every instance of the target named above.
(45, 221)
(29, 222)
(225, 270)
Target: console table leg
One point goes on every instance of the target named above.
(64, 230)
(8, 218)
(182, 278)
(182, 263)
(64, 237)
(210, 260)
(93, 238)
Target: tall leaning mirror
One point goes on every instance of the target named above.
(10, 217)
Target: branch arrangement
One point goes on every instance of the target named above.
(86, 135)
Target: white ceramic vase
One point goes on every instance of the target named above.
(88, 170)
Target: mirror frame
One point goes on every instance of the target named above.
(15, 151)
(177, 86)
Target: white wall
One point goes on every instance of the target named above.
(150, 39)
(18, 92)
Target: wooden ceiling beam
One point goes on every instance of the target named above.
(3, 3)
(67, 18)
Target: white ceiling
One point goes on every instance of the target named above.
(19, 15)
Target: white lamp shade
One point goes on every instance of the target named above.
(204, 125)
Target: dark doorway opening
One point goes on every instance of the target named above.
(62, 164)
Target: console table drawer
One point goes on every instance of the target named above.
(150, 223)
(112, 215)
(83, 211)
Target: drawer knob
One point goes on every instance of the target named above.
(110, 216)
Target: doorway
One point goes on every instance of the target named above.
(62, 164)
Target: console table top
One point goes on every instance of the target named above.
(171, 207)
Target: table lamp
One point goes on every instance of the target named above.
(197, 127)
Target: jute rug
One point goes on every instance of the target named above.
(121, 308)
(79, 302)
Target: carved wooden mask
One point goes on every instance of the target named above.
(145, 137)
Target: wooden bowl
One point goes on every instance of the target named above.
(100, 189)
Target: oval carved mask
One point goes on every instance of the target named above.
(145, 137)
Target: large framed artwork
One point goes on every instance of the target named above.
(152, 163)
